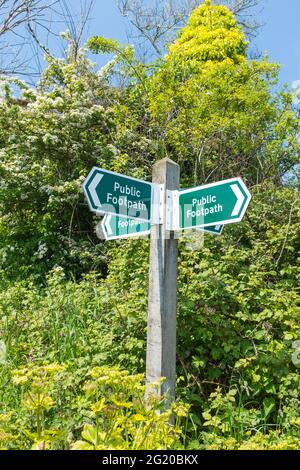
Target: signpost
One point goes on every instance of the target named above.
(133, 207)
(224, 202)
(162, 300)
(111, 193)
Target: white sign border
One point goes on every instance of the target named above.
(212, 185)
(118, 237)
(99, 212)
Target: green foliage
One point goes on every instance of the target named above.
(99, 44)
(273, 440)
(50, 138)
(237, 321)
(242, 290)
(122, 418)
(115, 414)
(212, 34)
(238, 316)
(70, 321)
(37, 384)
(46, 151)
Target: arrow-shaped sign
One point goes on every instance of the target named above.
(113, 227)
(220, 203)
(107, 225)
(111, 193)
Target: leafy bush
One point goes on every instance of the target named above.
(68, 321)
(122, 417)
(50, 139)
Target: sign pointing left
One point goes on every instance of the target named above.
(111, 193)
(114, 227)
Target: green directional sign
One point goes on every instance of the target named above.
(114, 227)
(220, 203)
(111, 193)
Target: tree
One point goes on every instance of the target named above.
(155, 23)
(15, 15)
(30, 28)
(50, 138)
(215, 112)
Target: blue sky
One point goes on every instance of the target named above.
(280, 35)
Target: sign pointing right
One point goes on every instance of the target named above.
(224, 202)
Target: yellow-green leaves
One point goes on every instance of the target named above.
(98, 407)
(212, 34)
(123, 419)
(214, 109)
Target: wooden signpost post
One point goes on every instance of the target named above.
(162, 303)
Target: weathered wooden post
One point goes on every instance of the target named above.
(161, 334)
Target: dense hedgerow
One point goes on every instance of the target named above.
(238, 317)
